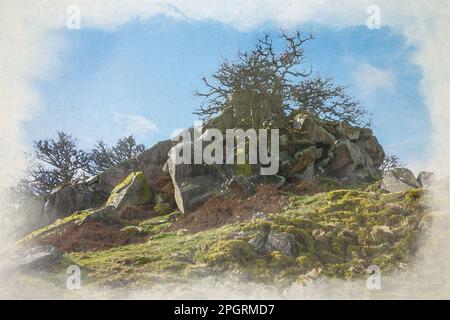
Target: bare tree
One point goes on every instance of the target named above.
(328, 101)
(390, 162)
(263, 85)
(54, 162)
(103, 157)
(255, 89)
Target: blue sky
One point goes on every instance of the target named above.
(140, 78)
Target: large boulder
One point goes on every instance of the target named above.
(196, 183)
(375, 151)
(133, 190)
(303, 159)
(193, 183)
(305, 123)
(399, 180)
(108, 179)
(151, 161)
(65, 200)
(350, 163)
(37, 258)
(426, 179)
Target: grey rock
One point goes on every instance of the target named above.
(65, 200)
(151, 161)
(375, 151)
(37, 258)
(107, 214)
(108, 179)
(304, 159)
(305, 123)
(350, 163)
(346, 131)
(241, 186)
(426, 179)
(307, 174)
(399, 180)
(281, 242)
(134, 190)
(258, 242)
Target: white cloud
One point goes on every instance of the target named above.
(370, 79)
(131, 124)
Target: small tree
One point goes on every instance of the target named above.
(263, 85)
(54, 162)
(390, 162)
(254, 90)
(103, 157)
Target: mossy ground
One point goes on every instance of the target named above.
(337, 234)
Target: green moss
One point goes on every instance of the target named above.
(57, 226)
(141, 195)
(162, 208)
(228, 252)
(337, 232)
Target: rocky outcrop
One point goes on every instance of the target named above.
(399, 180)
(350, 163)
(151, 161)
(133, 190)
(335, 149)
(308, 148)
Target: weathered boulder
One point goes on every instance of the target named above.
(399, 180)
(37, 258)
(346, 131)
(133, 190)
(305, 123)
(264, 242)
(151, 161)
(373, 148)
(350, 163)
(195, 183)
(110, 178)
(304, 159)
(426, 179)
(105, 214)
(67, 199)
(241, 186)
(281, 242)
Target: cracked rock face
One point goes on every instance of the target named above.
(399, 180)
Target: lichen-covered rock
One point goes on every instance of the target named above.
(107, 214)
(162, 208)
(304, 159)
(241, 186)
(399, 180)
(65, 200)
(110, 178)
(37, 258)
(426, 179)
(282, 242)
(305, 123)
(133, 190)
(151, 161)
(373, 148)
(350, 163)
